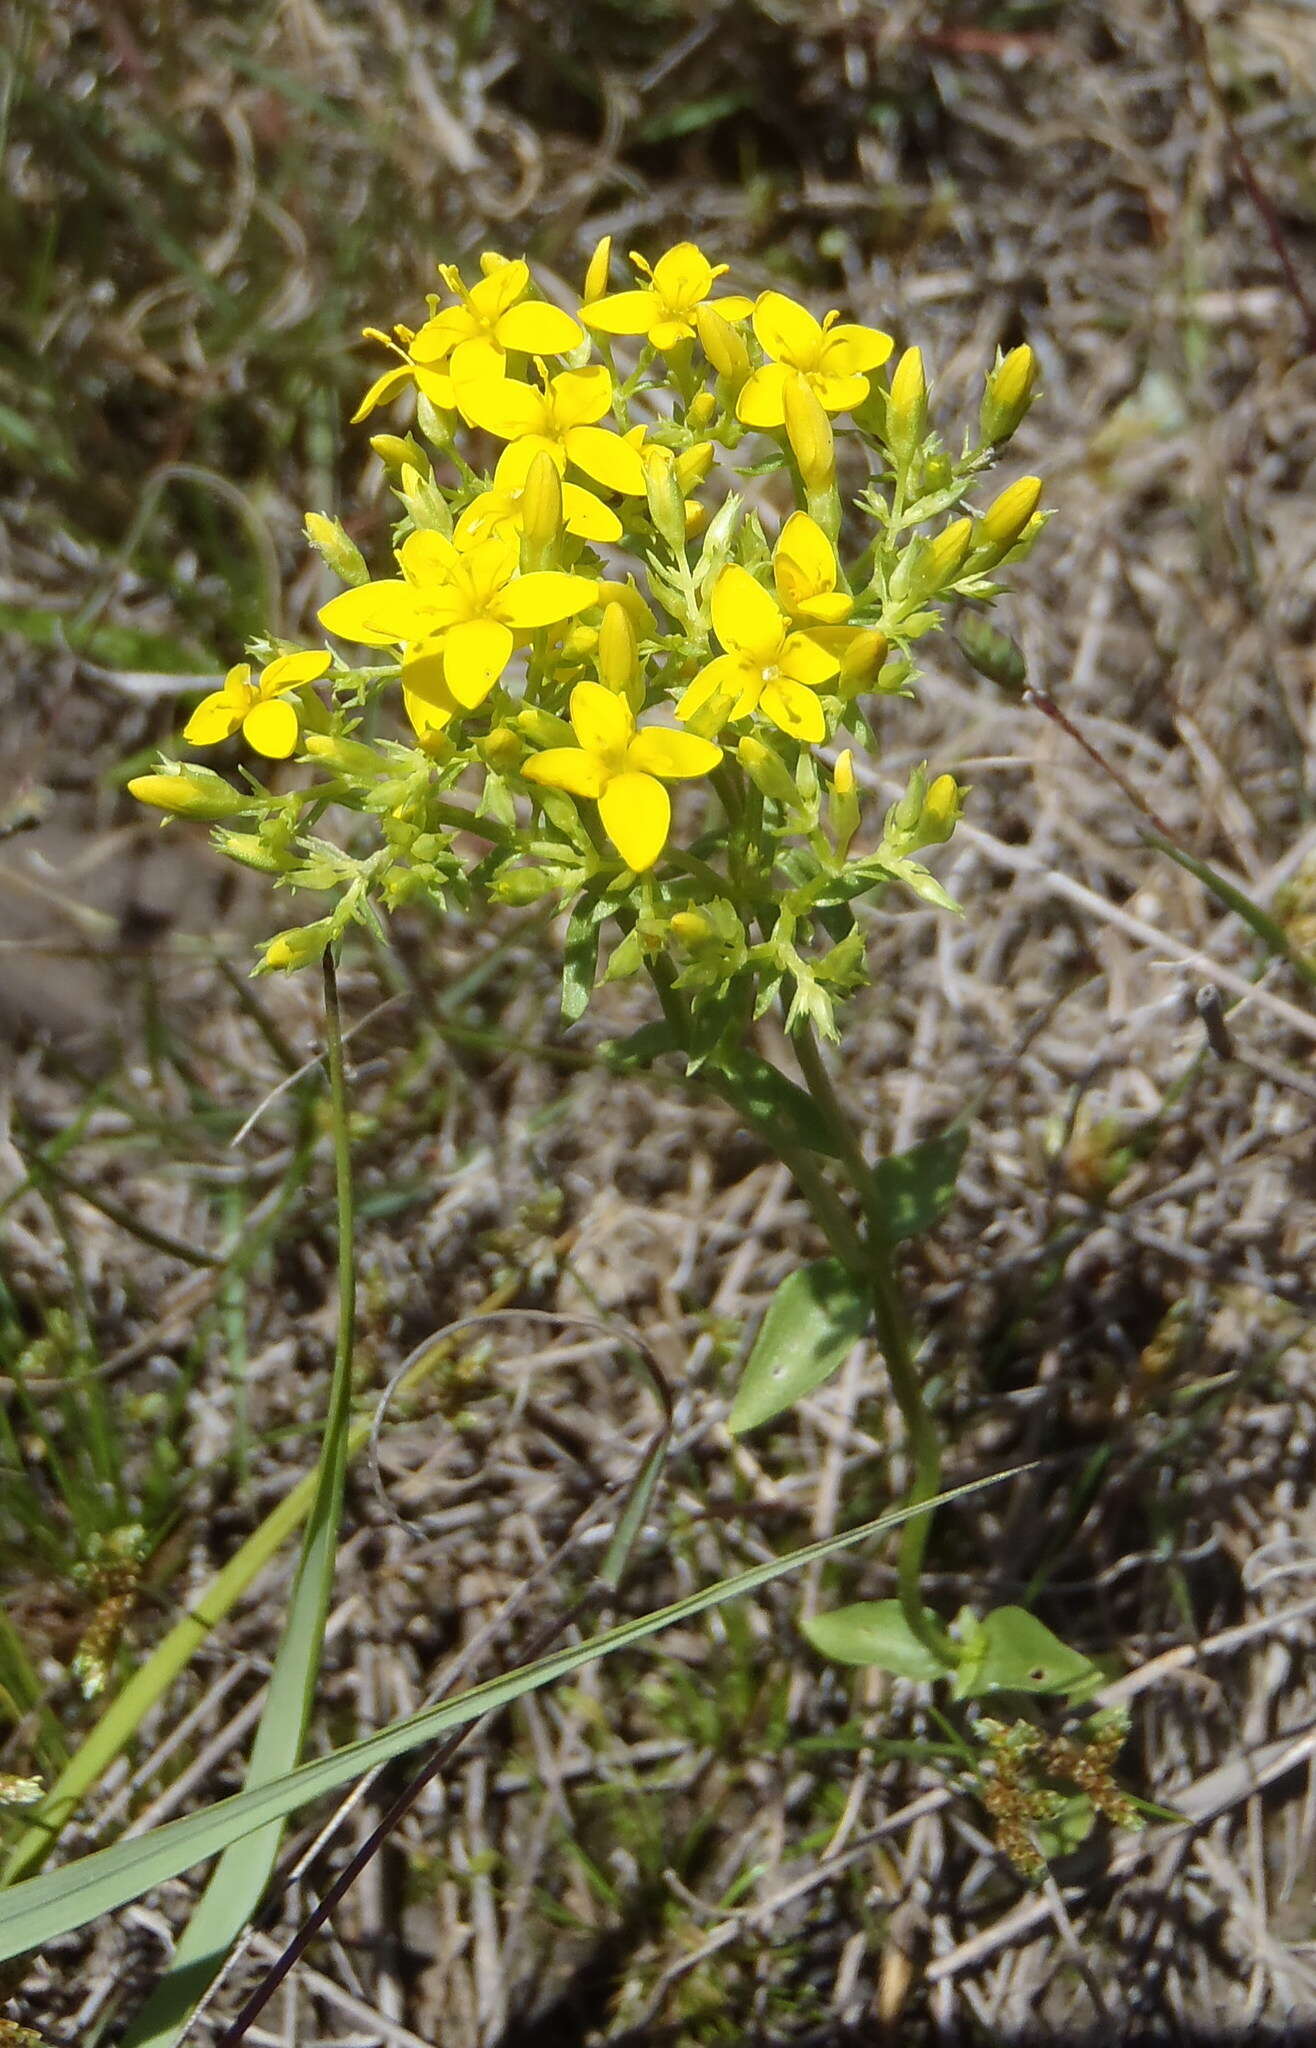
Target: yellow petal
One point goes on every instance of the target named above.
(587, 516)
(544, 597)
(539, 329)
(683, 276)
(762, 400)
(601, 720)
(828, 608)
(502, 406)
(804, 661)
(424, 679)
(794, 710)
(580, 397)
(476, 361)
(373, 615)
(745, 619)
(426, 718)
(502, 285)
(426, 558)
(803, 564)
(733, 307)
(623, 313)
(216, 718)
(492, 512)
(846, 350)
(672, 755)
(438, 387)
(382, 390)
(838, 394)
(670, 332)
(569, 768)
(786, 331)
(637, 815)
(474, 656)
(272, 728)
(607, 460)
(723, 676)
(287, 670)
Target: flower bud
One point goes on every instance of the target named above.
(863, 657)
(694, 463)
(907, 405)
(843, 803)
(399, 451)
(541, 506)
(941, 811)
(993, 653)
(349, 757)
(596, 274)
(1003, 523)
(522, 886)
(343, 556)
(947, 553)
(579, 643)
(666, 501)
(542, 728)
(190, 793)
(501, 749)
(302, 946)
(691, 927)
(1008, 395)
(809, 432)
(254, 852)
(723, 346)
(702, 411)
(767, 771)
(643, 620)
(619, 651)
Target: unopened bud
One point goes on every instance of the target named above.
(723, 346)
(300, 947)
(542, 728)
(941, 811)
(702, 411)
(1003, 523)
(691, 927)
(767, 771)
(643, 620)
(190, 793)
(502, 749)
(619, 651)
(349, 757)
(665, 498)
(580, 642)
(947, 554)
(843, 803)
(809, 432)
(694, 463)
(343, 555)
(843, 773)
(907, 405)
(596, 274)
(522, 886)
(541, 506)
(1009, 393)
(993, 653)
(254, 852)
(399, 451)
(863, 657)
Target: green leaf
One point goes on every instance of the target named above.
(632, 1055)
(580, 955)
(813, 1320)
(917, 1187)
(41, 1909)
(1011, 1651)
(873, 1632)
(765, 1096)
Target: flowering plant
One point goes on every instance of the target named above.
(634, 693)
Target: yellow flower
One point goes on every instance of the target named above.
(766, 667)
(268, 722)
(562, 420)
(501, 510)
(663, 311)
(805, 573)
(623, 770)
(436, 384)
(467, 604)
(831, 359)
(489, 319)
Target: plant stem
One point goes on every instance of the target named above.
(896, 1338)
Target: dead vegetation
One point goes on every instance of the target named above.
(722, 1840)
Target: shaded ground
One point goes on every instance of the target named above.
(717, 1839)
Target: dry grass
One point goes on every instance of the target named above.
(715, 1843)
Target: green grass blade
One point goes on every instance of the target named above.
(238, 1881)
(43, 1908)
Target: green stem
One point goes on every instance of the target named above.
(896, 1337)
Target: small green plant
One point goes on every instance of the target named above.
(631, 696)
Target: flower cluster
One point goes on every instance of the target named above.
(671, 535)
